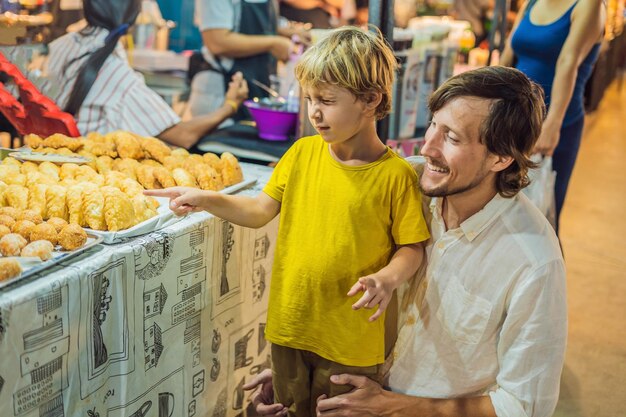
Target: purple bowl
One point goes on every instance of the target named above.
(272, 124)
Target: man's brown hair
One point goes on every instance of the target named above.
(514, 123)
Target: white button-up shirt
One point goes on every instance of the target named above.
(493, 317)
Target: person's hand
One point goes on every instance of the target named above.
(237, 89)
(377, 291)
(263, 397)
(298, 32)
(548, 138)
(363, 400)
(281, 48)
(183, 200)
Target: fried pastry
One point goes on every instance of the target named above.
(118, 209)
(49, 169)
(23, 228)
(126, 166)
(29, 166)
(72, 237)
(231, 170)
(85, 173)
(12, 244)
(10, 211)
(39, 248)
(104, 163)
(44, 231)
(155, 149)
(145, 176)
(59, 140)
(68, 171)
(37, 199)
(17, 196)
(56, 204)
(131, 187)
(207, 177)
(33, 178)
(3, 186)
(4, 230)
(173, 161)
(183, 178)
(9, 160)
(144, 209)
(114, 179)
(9, 268)
(10, 175)
(90, 157)
(100, 149)
(7, 221)
(164, 177)
(33, 141)
(180, 152)
(151, 163)
(31, 215)
(74, 199)
(213, 160)
(93, 208)
(127, 145)
(57, 222)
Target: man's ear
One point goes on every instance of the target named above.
(501, 163)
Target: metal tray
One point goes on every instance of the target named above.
(31, 266)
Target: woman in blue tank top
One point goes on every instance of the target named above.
(556, 43)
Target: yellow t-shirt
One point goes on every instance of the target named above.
(337, 223)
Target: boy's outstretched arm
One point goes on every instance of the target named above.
(378, 287)
(242, 210)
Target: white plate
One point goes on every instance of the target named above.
(165, 217)
(50, 157)
(32, 265)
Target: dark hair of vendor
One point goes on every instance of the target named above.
(514, 122)
(107, 14)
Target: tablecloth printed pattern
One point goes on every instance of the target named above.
(167, 324)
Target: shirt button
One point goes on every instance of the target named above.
(441, 245)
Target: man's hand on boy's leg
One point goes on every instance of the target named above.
(377, 290)
(263, 397)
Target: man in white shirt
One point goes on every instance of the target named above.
(484, 333)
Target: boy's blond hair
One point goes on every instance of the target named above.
(354, 59)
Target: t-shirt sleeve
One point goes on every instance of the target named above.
(215, 14)
(275, 188)
(409, 225)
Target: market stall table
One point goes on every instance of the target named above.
(166, 324)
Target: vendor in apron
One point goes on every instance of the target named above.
(239, 35)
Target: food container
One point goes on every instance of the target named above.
(272, 124)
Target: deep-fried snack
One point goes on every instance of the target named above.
(23, 228)
(44, 231)
(104, 163)
(100, 148)
(65, 152)
(114, 179)
(3, 186)
(9, 268)
(131, 187)
(74, 199)
(154, 148)
(31, 215)
(10, 211)
(173, 161)
(4, 230)
(56, 204)
(118, 209)
(70, 183)
(12, 244)
(37, 199)
(151, 163)
(127, 145)
(33, 178)
(72, 237)
(29, 166)
(207, 177)
(90, 157)
(93, 208)
(180, 152)
(213, 160)
(57, 222)
(164, 177)
(183, 178)
(59, 140)
(231, 170)
(126, 166)
(33, 141)
(10, 174)
(85, 173)
(16, 196)
(68, 171)
(145, 176)
(39, 248)
(9, 160)
(49, 169)
(7, 221)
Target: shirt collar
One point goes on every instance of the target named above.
(478, 222)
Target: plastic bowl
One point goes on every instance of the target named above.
(272, 124)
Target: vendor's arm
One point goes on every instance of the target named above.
(587, 26)
(378, 287)
(187, 133)
(226, 43)
(242, 210)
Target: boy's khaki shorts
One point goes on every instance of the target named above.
(300, 377)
